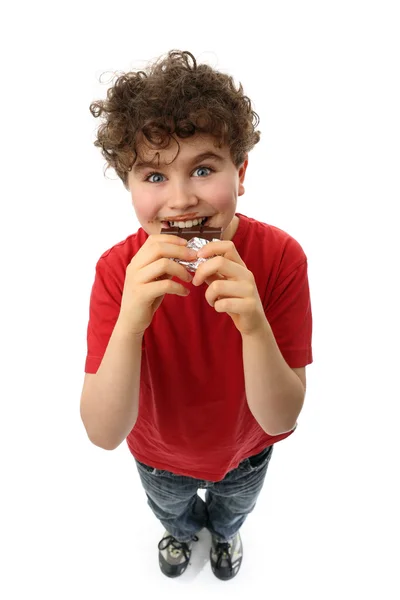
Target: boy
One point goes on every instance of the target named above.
(201, 375)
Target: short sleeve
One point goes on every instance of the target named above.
(288, 312)
(105, 305)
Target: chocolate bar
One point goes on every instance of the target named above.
(206, 233)
(196, 238)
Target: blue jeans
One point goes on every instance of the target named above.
(175, 502)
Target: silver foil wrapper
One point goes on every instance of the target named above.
(195, 243)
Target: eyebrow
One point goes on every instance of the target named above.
(141, 165)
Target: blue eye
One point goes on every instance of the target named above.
(151, 175)
(207, 168)
(147, 178)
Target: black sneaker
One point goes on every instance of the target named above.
(174, 556)
(226, 557)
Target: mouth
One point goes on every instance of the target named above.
(203, 223)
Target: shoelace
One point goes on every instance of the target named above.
(176, 547)
(222, 550)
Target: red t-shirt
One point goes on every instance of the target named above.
(193, 415)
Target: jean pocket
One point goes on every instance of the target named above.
(146, 468)
(257, 461)
(151, 470)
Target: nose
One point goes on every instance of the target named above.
(181, 198)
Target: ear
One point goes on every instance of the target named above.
(242, 173)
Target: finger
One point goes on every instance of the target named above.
(164, 268)
(214, 248)
(221, 266)
(158, 250)
(168, 239)
(159, 288)
(223, 248)
(212, 278)
(235, 306)
(228, 289)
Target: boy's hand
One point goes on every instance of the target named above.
(232, 287)
(148, 279)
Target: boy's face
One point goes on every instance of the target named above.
(197, 187)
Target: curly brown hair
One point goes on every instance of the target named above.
(173, 97)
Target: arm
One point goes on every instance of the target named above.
(110, 399)
(275, 394)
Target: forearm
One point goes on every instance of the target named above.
(275, 394)
(109, 407)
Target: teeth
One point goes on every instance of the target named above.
(183, 224)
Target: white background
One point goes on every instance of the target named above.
(324, 79)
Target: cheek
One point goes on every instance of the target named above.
(145, 205)
(223, 195)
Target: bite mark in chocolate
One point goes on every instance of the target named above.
(206, 233)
